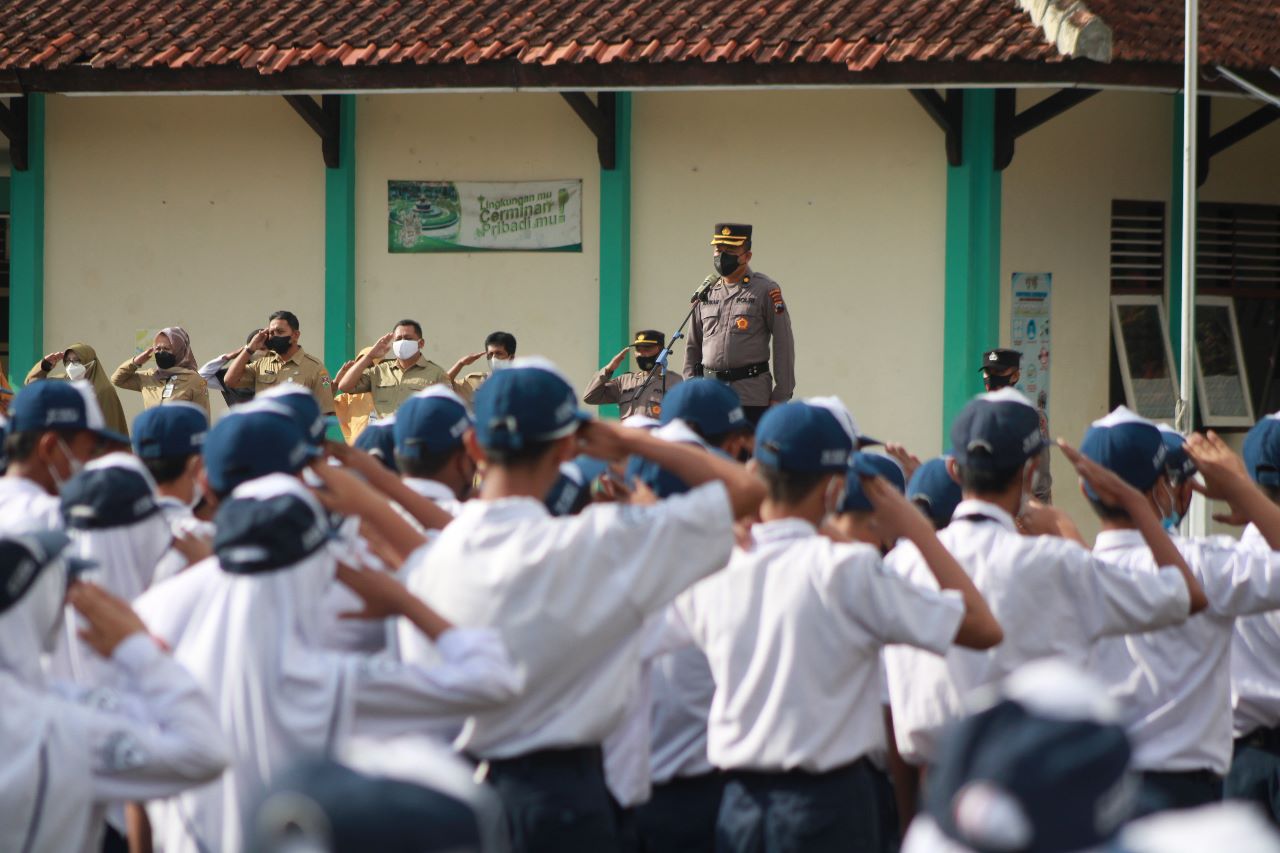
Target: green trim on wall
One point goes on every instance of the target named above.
(1173, 300)
(615, 244)
(26, 251)
(340, 245)
(972, 258)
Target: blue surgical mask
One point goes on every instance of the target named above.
(1172, 518)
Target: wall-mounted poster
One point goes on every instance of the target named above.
(474, 216)
(1029, 334)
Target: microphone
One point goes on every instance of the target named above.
(700, 295)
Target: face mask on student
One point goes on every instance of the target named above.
(73, 464)
(1171, 519)
(405, 349)
(76, 371)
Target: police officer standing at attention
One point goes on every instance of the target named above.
(734, 319)
(639, 392)
(1002, 368)
(284, 361)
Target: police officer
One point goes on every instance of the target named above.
(284, 361)
(1002, 368)
(639, 392)
(734, 320)
(395, 380)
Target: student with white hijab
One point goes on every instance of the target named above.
(64, 759)
(254, 644)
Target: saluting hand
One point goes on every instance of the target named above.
(144, 356)
(110, 620)
(908, 460)
(471, 359)
(259, 341)
(382, 347)
(604, 441)
(1222, 469)
(1108, 486)
(382, 594)
(52, 358)
(895, 515)
(617, 360)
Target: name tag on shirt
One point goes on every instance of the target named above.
(168, 390)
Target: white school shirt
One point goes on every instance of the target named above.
(1052, 597)
(569, 596)
(182, 522)
(1174, 685)
(1255, 662)
(792, 630)
(25, 506)
(436, 491)
(682, 688)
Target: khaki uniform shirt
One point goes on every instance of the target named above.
(183, 384)
(391, 385)
(734, 328)
(467, 386)
(636, 393)
(302, 368)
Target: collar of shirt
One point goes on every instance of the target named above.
(505, 509)
(1253, 537)
(24, 487)
(1109, 540)
(973, 506)
(430, 489)
(782, 528)
(296, 358)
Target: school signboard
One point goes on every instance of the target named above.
(476, 216)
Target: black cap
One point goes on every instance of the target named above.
(113, 496)
(261, 535)
(23, 556)
(649, 336)
(1001, 358)
(731, 235)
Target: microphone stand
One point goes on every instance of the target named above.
(699, 295)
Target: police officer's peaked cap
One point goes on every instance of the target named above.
(649, 336)
(731, 235)
(1001, 359)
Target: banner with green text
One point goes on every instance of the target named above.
(475, 216)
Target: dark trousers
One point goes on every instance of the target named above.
(680, 816)
(797, 812)
(1185, 789)
(1255, 772)
(556, 801)
(754, 413)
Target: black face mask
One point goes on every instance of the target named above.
(646, 362)
(995, 382)
(165, 360)
(744, 455)
(279, 343)
(726, 262)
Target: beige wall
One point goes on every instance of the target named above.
(1057, 209)
(847, 193)
(204, 212)
(548, 300)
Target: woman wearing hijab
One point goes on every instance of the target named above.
(176, 375)
(66, 757)
(80, 362)
(253, 640)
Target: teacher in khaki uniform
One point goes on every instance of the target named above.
(175, 378)
(283, 361)
(393, 381)
(734, 321)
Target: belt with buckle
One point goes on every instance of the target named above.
(734, 374)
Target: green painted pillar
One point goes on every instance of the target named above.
(615, 244)
(26, 252)
(972, 258)
(340, 244)
(1174, 299)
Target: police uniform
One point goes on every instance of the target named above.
(390, 384)
(302, 368)
(181, 384)
(639, 392)
(732, 327)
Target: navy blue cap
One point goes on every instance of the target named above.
(264, 534)
(660, 481)
(318, 804)
(251, 443)
(571, 491)
(303, 407)
(430, 423)
(1128, 445)
(378, 439)
(103, 496)
(1178, 463)
(803, 438)
(56, 404)
(998, 431)
(170, 431)
(932, 488)
(1010, 779)
(528, 403)
(22, 556)
(5, 392)
(713, 407)
(868, 465)
(1262, 451)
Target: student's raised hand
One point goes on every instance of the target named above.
(604, 441)
(1040, 519)
(382, 347)
(896, 515)
(1221, 467)
(193, 547)
(642, 495)
(1106, 484)
(109, 620)
(382, 594)
(343, 492)
(908, 460)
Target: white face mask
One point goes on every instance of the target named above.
(73, 463)
(405, 350)
(496, 364)
(76, 371)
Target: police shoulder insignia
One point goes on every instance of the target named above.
(775, 296)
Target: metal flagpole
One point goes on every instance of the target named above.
(1186, 386)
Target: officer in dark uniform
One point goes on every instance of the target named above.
(1002, 368)
(735, 319)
